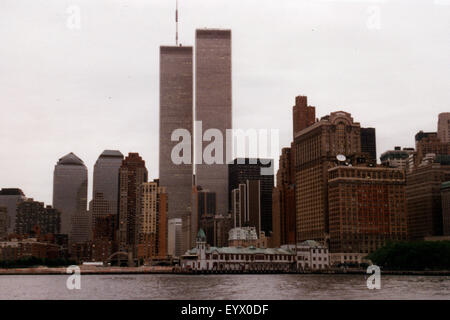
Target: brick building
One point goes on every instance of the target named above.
(366, 208)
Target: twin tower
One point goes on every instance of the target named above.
(213, 107)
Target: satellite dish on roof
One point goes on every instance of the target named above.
(341, 157)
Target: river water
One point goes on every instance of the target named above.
(234, 287)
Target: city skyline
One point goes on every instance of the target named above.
(379, 101)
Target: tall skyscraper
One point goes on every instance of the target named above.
(106, 183)
(105, 192)
(240, 171)
(10, 198)
(70, 183)
(132, 174)
(152, 221)
(213, 105)
(176, 112)
(316, 148)
(283, 195)
(444, 127)
(283, 201)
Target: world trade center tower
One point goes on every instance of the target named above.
(176, 112)
(213, 106)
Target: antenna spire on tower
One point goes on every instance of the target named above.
(176, 21)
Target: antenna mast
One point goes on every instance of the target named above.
(176, 21)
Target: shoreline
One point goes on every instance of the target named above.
(170, 270)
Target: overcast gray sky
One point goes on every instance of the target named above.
(84, 90)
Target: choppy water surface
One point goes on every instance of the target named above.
(234, 287)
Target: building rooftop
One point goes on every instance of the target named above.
(112, 153)
(70, 159)
(310, 243)
(11, 192)
(242, 250)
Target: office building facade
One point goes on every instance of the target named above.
(242, 170)
(152, 221)
(132, 174)
(70, 184)
(316, 149)
(367, 208)
(213, 106)
(176, 112)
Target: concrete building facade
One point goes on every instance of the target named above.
(105, 192)
(213, 92)
(70, 187)
(176, 112)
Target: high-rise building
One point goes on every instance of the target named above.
(10, 198)
(283, 201)
(174, 237)
(444, 127)
(369, 144)
(70, 184)
(397, 158)
(34, 217)
(243, 169)
(105, 192)
(316, 149)
(247, 205)
(366, 208)
(132, 174)
(445, 196)
(176, 112)
(213, 106)
(283, 195)
(423, 198)
(152, 221)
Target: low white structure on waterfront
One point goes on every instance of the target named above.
(311, 255)
(204, 258)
